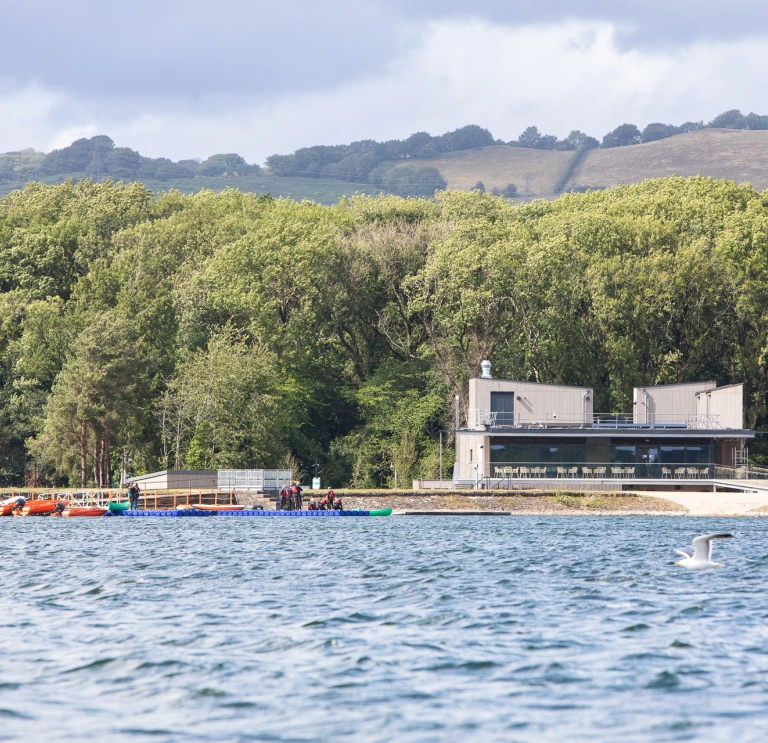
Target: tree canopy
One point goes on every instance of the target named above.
(232, 330)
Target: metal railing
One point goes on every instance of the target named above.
(516, 471)
(480, 418)
(149, 499)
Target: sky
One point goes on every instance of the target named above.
(187, 78)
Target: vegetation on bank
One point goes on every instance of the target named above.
(230, 330)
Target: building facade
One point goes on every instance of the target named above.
(524, 430)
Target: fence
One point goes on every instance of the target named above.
(262, 481)
(156, 500)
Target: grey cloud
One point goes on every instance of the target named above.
(653, 22)
(169, 49)
(177, 49)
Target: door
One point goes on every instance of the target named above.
(649, 456)
(502, 408)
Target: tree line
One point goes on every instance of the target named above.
(234, 330)
(97, 158)
(629, 134)
(392, 165)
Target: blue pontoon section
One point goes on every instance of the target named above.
(191, 512)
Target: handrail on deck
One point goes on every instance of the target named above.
(479, 418)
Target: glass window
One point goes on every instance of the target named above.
(573, 453)
(599, 451)
(500, 451)
(623, 453)
(672, 454)
(549, 453)
(696, 454)
(524, 453)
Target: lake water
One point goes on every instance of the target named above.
(381, 629)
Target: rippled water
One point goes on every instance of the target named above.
(399, 629)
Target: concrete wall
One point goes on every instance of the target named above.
(471, 460)
(553, 404)
(668, 403)
(725, 404)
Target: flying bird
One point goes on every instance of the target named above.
(701, 559)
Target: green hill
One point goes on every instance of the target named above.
(321, 190)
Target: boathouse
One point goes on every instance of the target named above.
(523, 433)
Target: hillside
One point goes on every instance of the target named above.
(416, 166)
(499, 165)
(737, 155)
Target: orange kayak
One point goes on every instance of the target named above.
(41, 507)
(206, 507)
(85, 511)
(5, 510)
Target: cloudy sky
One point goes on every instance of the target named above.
(187, 78)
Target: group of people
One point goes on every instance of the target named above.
(291, 500)
(290, 497)
(329, 503)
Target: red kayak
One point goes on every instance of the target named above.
(85, 511)
(206, 507)
(41, 507)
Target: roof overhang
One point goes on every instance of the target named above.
(609, 433)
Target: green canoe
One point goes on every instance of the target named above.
(381, 512)
(115, 506)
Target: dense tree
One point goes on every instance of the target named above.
(577, 139)
(656, 131)
(621, 136)
(230, 164)
(366, 161)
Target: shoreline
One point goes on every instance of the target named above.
(547, 503)
(533, 504)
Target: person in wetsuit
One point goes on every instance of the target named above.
(297, 490)
(133, 496)
(284, 499)
(329, 496)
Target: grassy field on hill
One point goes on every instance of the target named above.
(499, 165)
(321, 190)
(736, 155)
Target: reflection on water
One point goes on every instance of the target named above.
(402, 629)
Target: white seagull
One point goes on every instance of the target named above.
(701, 559)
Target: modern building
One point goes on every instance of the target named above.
(259, 481)
(521, 431)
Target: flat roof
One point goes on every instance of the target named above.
(163, 473)
(607, 433)
(538, 384)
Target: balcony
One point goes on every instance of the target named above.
(480, 419)
(600, 475)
